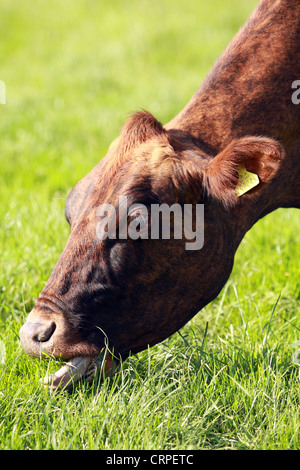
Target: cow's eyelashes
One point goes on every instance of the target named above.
(138, 210)
(138, 219)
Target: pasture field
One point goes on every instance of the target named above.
(73, 72)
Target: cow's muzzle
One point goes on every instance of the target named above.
(49, 334)
(42, 336)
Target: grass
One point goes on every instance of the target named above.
(73, 73)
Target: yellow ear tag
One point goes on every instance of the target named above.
(247, 181)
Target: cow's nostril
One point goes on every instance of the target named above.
(36, 336)
(37, 331)
(44, 332)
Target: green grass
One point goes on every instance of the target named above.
(73, 72)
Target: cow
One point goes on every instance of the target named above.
(110, 297)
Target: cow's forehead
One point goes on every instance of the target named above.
(152, 152)
(150, 159)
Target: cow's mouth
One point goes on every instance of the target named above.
(77, 368)
(41, 337)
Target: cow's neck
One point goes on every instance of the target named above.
(249, 92)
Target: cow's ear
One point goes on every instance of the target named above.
(245, 164)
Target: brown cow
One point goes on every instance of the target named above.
(135, 293)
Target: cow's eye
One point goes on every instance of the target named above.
(138, 219)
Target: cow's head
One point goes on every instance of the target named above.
(136, 292)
